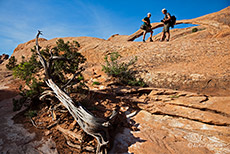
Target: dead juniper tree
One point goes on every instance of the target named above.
(94, 126)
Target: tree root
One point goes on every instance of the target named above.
(70, 133)
(78, 146)
(54, 124)
(35, 125)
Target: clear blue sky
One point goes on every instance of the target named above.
(20, 19)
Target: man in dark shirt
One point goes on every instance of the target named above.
(166, 22)
(147, 27)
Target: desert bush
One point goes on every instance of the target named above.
(18, 103)
(30, 71)
(95, 83)
(122, 72)
(69, 66)
(31, 113)
(12, 63)
(194, 30)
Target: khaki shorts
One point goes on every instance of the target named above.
(166, 28)
(148, 29)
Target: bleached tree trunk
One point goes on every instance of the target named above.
(96, 127)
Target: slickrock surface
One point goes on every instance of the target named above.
(176, 122)
(191, 118)
(194, 61)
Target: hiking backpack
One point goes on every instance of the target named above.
(172, 21)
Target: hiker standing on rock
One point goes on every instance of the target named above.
(166, 22)
(147, 27)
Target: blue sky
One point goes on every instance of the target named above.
(20, 19)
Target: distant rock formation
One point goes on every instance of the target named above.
(3, 57)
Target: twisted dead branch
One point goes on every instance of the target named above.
(96, 127)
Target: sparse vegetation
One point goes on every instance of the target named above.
(96, 83)
(31, 113)
(30, 71)
(174, 96)
(122, 72)
(17, 104)
(194, 30)
(12, 63)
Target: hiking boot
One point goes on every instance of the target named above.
(143, 40)
(151, 40)
(167, 40)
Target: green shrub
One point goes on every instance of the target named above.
(69, 51)
(174, 96)
(194, 30)
(121, 71)
(18, 103)
(30, 70)
(12, 63)
(96, 83)
(31, 113)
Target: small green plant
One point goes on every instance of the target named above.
(80, 78)
(12, 63)
(174, 96)
(31, 113)
(96, 83)
(121, 71)
(17, 104)
(194, 30)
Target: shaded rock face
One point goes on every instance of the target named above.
(3, 57)
(177, 122)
